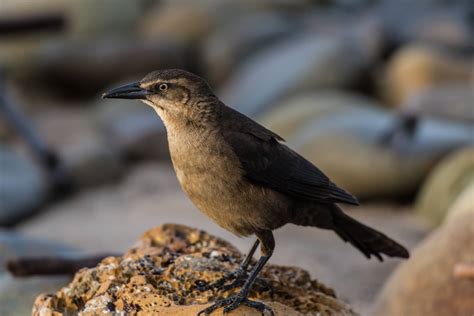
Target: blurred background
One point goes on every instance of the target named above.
(378, 94)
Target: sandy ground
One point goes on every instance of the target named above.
(110, 219)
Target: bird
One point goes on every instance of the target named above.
(244, 177)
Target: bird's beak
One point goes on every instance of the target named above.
(129, 91)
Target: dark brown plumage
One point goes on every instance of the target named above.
(242, 176)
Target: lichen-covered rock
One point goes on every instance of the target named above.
(162, 273)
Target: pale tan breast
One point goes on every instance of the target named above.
(211, 175)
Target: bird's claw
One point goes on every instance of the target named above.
(233, 302)
(239, 277)
(221, 283)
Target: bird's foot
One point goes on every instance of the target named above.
(239, 276)
(236, 275)
(233, 302)
(260, 284)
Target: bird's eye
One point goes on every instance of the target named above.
(163, 87)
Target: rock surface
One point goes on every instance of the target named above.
(161, 272)
(426, 284)
(445, 183)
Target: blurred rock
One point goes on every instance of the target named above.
(89, 19)
(80, 22)
(134, 128)
(184, 23)
(228, 46)
(92, 163)
(160, 275)
(298, 64)
(440, 23)
(6, 132)
(14, 245)
(463, 203)
(78, 70)
(347, 147)
(88, 157)
(416, 68)
(227, 7)
(85, 19)
(25, 8)
(18, 295)
(445, 183)
(288, 116)
(426, 284)
(22, 187)
(446, 102)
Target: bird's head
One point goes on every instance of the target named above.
(172, 93)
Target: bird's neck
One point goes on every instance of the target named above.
(199, 117)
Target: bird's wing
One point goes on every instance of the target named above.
(267, 162)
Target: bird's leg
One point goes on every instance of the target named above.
(241, 298)
(236, 274)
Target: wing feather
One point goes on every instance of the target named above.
(269, 163)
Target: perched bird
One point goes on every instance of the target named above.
(242, 176)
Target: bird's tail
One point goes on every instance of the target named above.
(367, 240)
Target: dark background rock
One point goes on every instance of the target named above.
(77, 69)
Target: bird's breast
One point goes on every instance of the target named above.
(206, 167)
(211, 175)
